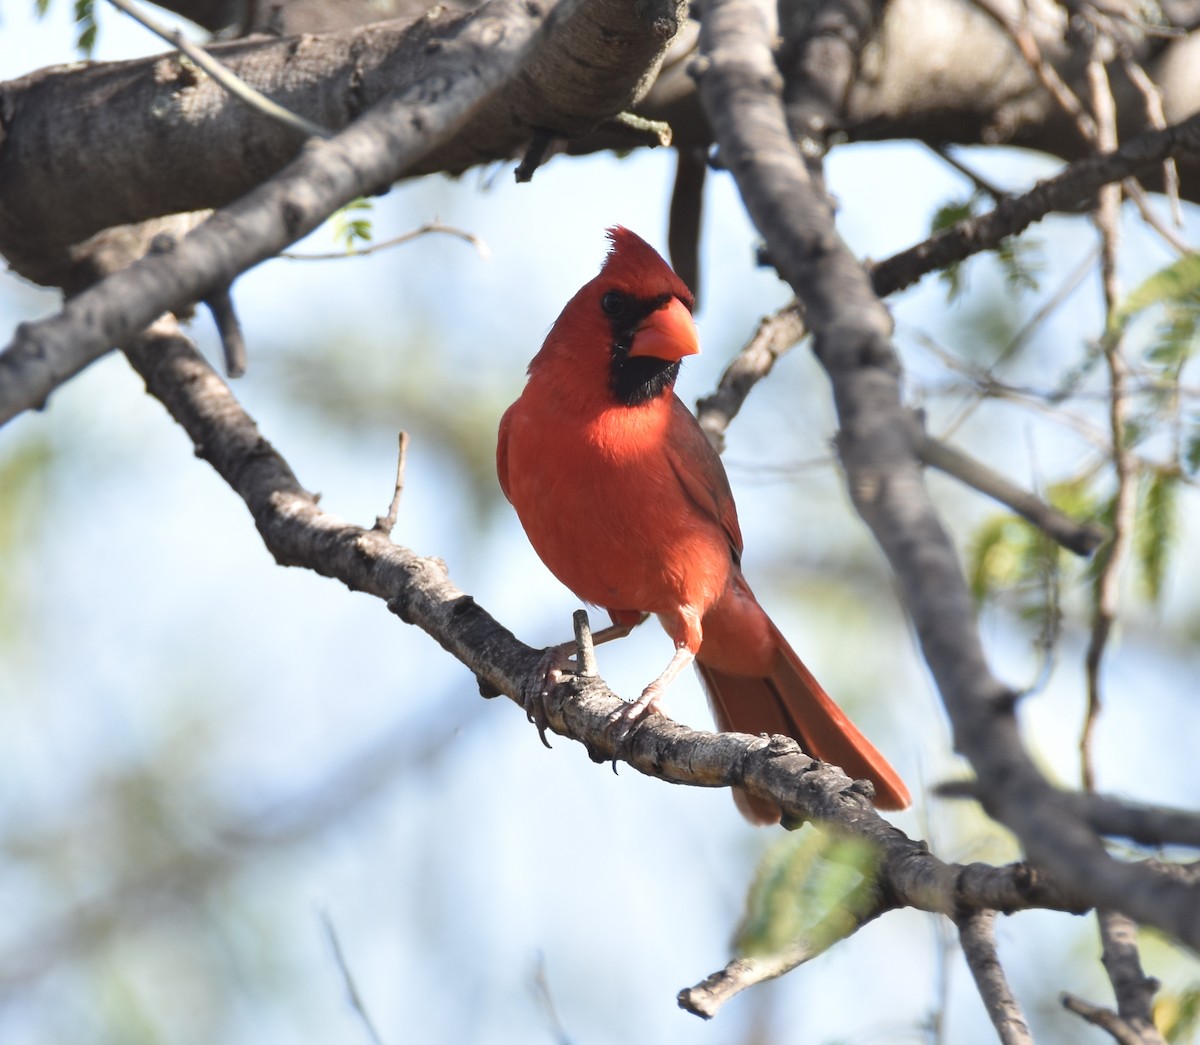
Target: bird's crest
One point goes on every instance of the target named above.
(633, 261)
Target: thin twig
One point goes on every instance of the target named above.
(395, 241)
(229, 328)
(864, 904)
(385, 524)
(1107, 590)
(1106, 1019)
(1080, 538)
(981, 183)
(1153, 98)
(233, 84)
(776, 334)
(542, 993)
(352, 994)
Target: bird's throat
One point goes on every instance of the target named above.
(638, 379)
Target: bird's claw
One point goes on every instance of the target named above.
(555, 663)
(622, 721)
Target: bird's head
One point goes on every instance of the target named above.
(634, 319)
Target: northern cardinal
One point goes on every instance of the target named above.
(627, 504)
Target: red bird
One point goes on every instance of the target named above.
(627, 504)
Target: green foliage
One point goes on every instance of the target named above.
(1177, 1014)
(1010, 559)
(1176, 285)
(944, 217)
(350, 226)
(1157, 530)
(85, 23)
(1019, 258)
(807, 884)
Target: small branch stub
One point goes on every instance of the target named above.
(385, 524)
(585, 647)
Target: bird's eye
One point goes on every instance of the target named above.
(613, 303)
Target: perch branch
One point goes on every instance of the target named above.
(298, 532)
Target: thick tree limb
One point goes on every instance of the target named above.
(461, 76)
(741, 92)
(115, 116)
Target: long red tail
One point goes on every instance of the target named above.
(791, 701)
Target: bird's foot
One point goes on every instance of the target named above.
(622, 721)
(555, 663)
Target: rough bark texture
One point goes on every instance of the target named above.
(83, 149)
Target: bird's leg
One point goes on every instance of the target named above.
(556, 661)
(651, 699)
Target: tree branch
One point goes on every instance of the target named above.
(364, 158)
(977, 934)
(1070, 189)
(600, 59)
(741, 93)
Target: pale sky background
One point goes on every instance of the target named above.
(163, 675)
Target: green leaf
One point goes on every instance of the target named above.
(85, 23)
(948, 214)
(1156, 530)
(1177, 1014)
(349, 228)
(1020, 260)
(1179, 282)
(41, 7)
(810, 885)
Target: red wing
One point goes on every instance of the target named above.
(701, 474)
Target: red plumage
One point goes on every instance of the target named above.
(628, 505)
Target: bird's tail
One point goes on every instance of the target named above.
(791, 701)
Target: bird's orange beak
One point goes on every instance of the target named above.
(667, 333)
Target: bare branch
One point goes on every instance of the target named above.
(1105, 1019)
(352, 992)
(977, 934)
(395, 241)
(1072, 187)
(369, 154)
(385, 524)
(1082, 538)
(229, 328)
(707, 997)
(775, 335)
(1134, 989)
(740, 91)
(234, 84)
